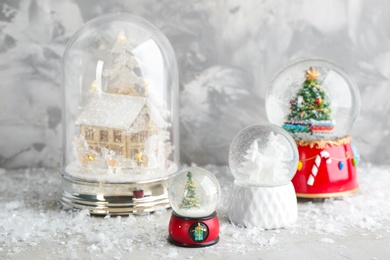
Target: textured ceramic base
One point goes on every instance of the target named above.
(263, 207)
(115, 198)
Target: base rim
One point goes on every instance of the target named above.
(174, 242)
(115, 199)
(325, 195)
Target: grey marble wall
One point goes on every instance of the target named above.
(227, 50)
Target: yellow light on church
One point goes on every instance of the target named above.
(139, 157)
(121, 37)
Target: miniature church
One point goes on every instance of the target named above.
(121, 124)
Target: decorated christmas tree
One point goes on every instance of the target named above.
(190, 199)
(310, 109)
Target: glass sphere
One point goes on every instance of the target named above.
(263, 155)
(313, 99)
(120, 96)
(194, 192)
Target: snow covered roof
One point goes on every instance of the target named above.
(118, 111)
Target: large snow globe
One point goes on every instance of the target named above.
(317, 103)
(313, 99)
(194, 194)
(263, 160)
(120, 117)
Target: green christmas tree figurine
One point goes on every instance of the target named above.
(310, 109)
(190, 199)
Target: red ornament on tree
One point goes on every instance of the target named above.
(318, 101)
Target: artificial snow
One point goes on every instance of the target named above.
(119, 112)
(327, 240)
(32, 222)
(124, 176)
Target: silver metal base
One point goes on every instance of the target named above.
(115, 198)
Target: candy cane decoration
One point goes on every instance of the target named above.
(317, 163)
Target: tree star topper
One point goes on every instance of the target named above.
(312, 74)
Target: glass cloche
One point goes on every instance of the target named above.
(120, 116)
(194, 192)
(263, 156)
(313, 99)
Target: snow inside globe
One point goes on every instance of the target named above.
(120, 120)
(263, 159)
(194, 192)
(263, 155)
(313, 99)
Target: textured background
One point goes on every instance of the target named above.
(227, 51)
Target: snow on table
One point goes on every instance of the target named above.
(34, 226)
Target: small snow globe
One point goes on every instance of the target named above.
(194, 194)
(317, 103)
(120, 117)
(263, 159)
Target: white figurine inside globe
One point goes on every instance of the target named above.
(263, 155)
(194, 192)
(313, 99)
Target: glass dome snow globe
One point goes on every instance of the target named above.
(263, 159)
(194, 194)
(120, 116)
(317, 103)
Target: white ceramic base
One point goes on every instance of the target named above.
(263, 207)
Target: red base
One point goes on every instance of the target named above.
(334, 175)
(194, 232)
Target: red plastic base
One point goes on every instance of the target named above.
(194, 232)
(324, 173)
